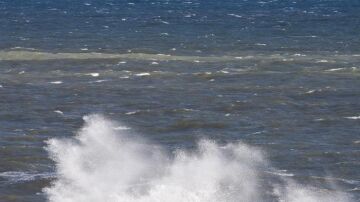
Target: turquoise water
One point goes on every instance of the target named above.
(195, 100)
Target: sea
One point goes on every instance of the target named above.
(180, 100)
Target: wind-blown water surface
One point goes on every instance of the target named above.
(217, 100)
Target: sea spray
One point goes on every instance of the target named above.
(103, 164)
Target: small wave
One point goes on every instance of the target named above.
(143, 74)
(16, 176)
(103, 164)
(234, 15)
(93, 74)
(99, 81)
(352, 117)
(59, 112)
(335, 69)
(56, 82)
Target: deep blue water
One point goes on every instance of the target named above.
(280, 75)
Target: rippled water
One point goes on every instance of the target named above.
(199, 86)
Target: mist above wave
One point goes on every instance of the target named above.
(103, 164)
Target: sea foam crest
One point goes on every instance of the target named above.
(103, 164)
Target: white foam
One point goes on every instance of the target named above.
(281, 173)
(94, 74)
(334, 69)
(131, 113)
(353, 117)
(99, 81)
(59, 112)
(121, 128)
(164, 22)
(102, 164)
(260, 44)
(56, 82)
(143, 74)
(234, 15)
(322, 61)
(310, 91)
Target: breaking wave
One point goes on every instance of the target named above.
(103, 164)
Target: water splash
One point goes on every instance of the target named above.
(103, 164)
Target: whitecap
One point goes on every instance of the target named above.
(282, 173)
(224, 71)
(100, 81)
(322, 61)
(299, 54)
(59, 112)
(164, 22)
(94, 74)
(56, 82)
(121, 128)
(334, 69)
(353, 117)
(143, 74)
(131, 113)
(235, 15)
(310, 91)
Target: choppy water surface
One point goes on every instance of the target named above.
(195, 101)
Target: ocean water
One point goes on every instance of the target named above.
(180, 100)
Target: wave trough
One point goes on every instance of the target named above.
(103, 164)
